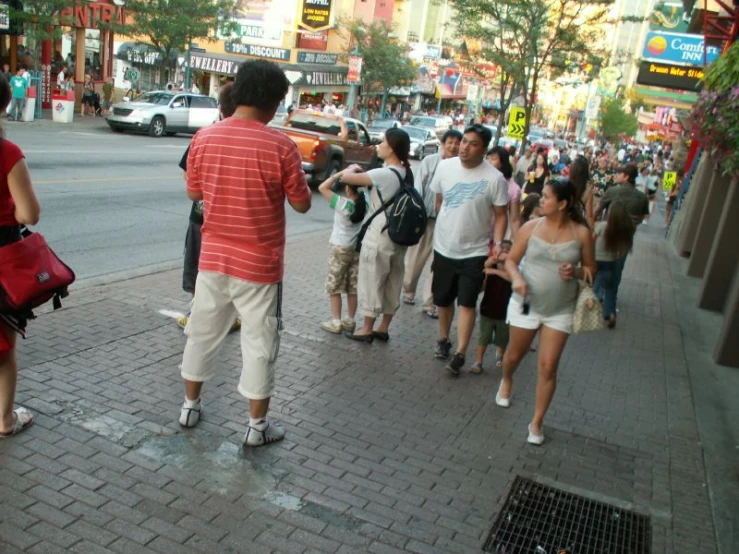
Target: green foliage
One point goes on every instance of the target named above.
(614, 121)
(39, 20)
(526, 37)
(170, 25)
(385, 62)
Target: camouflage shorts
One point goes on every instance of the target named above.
(343, 269)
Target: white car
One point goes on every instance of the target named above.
(164, 113)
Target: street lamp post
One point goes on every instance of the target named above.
(188, 72)
(352, 90)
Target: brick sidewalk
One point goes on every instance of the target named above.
(384, 453)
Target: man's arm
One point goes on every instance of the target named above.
(439, 201)
(296, 186)
(501, 224)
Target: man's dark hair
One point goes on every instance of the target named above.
(225, 101)
(631, 172)
(483, 132)
(451, 133)
(259, 84)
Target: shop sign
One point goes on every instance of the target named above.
(313, 41)
(679, 48)
(669, 16)
(88, 15)
(317, 58)
(146, 57)
(355, 70)
(319, 78)
(46, 85)
(213, 65)
(258, 51)
(670, 76)
(4, 17)
(316, 15)
(260, 32)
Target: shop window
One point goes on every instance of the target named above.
(352, 130)
(93, 53)
(203, 102)
(181, 99)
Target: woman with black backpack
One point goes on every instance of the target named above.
(381, 261)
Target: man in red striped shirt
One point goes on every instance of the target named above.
(242, 171)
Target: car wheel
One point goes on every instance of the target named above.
(157, 127)
(422, 153)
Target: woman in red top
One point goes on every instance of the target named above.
(18, 206)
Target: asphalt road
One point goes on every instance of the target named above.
(116, 203)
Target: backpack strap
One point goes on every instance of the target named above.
(390, 202)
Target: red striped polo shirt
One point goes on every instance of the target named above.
(245, 170)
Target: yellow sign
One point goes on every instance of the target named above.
(668, 180)
(517, 123)
(437, 94)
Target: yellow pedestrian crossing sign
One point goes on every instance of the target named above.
(517, 123)
(668, 180)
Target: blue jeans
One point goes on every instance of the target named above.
(17, 104)
(605, 287)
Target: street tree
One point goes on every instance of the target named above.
(615, 122)
(385, 61)
(39, 21)
(170, 26)
(527, 38)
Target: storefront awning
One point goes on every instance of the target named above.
(445, 91)
(141, 54)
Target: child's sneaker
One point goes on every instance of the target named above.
(190, 412)
(348, 324)
(332, 326)
(266, 432)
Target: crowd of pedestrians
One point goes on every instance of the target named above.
(512, 238)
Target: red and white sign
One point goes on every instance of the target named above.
(434, 70)
(313, 41)
(355, 69)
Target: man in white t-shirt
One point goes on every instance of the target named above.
(61, 78)
(469, 191)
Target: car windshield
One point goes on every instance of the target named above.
(415, 133)
(424, 121)
(159, 98)
(317, 123)
(382, 124)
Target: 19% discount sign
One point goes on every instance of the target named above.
(517, 123)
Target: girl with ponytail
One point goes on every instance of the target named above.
(559, 250)
(381, 261)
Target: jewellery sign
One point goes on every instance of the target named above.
(316, 15)
(670, 76)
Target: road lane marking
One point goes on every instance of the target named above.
(104, 180)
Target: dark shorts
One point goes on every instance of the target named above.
(493, 331)
(192, 257)
(457, 279)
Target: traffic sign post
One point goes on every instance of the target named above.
(669, 180)
(517, 123)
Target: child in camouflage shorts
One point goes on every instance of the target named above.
(343, 263)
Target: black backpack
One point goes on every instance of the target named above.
(406, 216)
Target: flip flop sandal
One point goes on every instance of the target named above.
(379, 335)
(498, 361)
(23, 420)
(476, 369)
(409, 300)
(433, 314)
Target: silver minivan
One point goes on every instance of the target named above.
(164, 113)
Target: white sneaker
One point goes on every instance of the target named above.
(348, 324)
(331, 327)
(272, 432)
(190, 413)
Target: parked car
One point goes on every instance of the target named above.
(164, 113)
(378, 127)
(281, 115)
(328, 143)
(439, 125)
(423, 141)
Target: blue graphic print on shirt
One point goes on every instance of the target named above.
(462, 192)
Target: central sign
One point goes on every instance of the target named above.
(670, 76)
(315, 15)
(258, 51)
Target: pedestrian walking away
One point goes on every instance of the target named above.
(493, 309)
(559, 249)
(381, 261)
(469, 191)
(18, 206)
(418, 255)
(193, 237)
(243, 171)
(343, 264)
(613, 238)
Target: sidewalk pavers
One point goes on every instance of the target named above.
(384, 453)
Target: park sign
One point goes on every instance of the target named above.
(678, 48)
(315, 15)
(517, 123)
(669, 76)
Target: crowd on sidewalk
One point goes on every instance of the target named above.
(520, 256)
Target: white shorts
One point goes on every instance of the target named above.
(532, 321)
(218, 300)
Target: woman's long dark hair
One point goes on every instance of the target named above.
(619, 233)
(505, 160)
(533, 165)
(580, 175)
(400, 143)
(565, 191)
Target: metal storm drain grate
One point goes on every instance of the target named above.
(538, 519)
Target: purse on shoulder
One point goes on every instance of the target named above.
(31, 274)
(588, 314)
